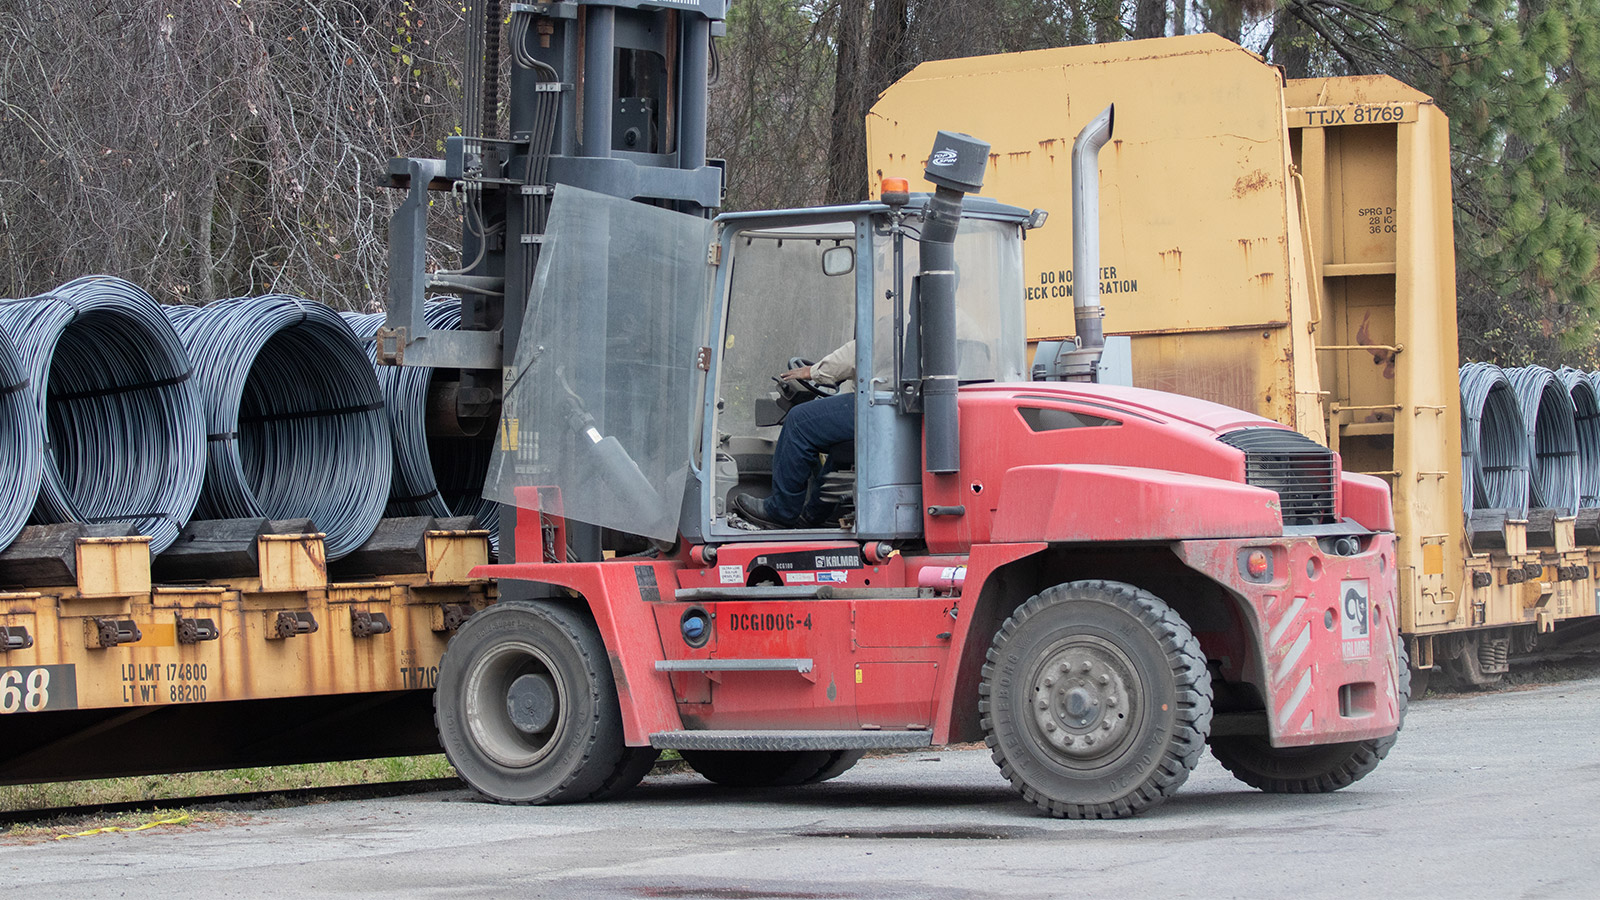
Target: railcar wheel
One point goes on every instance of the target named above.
(1464, 668)
(527, 710)
(760, 768)
(1095, 700)
(1420, 679)
(1318, 769)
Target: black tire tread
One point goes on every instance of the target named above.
(1191, 676)
(635, 764)
(1313, 770)
(839, 762)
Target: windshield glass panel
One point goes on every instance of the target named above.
(598, 418)
(781, 304)
(990, 333)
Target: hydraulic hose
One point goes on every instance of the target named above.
(21, 444)
(434, 475)
(295, 416)
(123, 426)
(1494, 445)
(1586, 409)
(1548, 421)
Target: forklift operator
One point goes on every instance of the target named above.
(824, 425)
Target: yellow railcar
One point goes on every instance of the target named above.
(1281, 246)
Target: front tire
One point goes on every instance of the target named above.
(527, 710)
(1095, 700)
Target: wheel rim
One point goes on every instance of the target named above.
(497, 684)
(1085, 699)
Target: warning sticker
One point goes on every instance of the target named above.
(1355, 618)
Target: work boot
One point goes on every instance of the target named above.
(754, 510)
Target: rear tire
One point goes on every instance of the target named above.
(527, 710)
(635, 764)
(1125, 694)
(1319, 769)
(763, 768)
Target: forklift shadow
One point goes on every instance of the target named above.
(840, 793)
(1202, 805)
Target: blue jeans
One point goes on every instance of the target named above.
(811, 429)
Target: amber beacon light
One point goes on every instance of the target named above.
(895, 191)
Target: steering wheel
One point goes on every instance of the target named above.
(799, 390)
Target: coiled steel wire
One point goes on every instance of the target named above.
(1494, 446)
(1548, 421)
(21, 444)
(1586, 408)
(295, 416)
(434, 475)
(124, 429)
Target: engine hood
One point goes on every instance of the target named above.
(1158, 406)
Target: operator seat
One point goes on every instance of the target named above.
(838, 480)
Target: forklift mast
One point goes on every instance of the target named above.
(605, 95)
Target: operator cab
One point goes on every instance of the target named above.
(800, 284)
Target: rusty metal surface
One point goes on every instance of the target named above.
(1196, 204)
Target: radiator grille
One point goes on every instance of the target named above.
(1300, 470)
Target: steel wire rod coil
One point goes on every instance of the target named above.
(1586, 409)
(437, 475)
(1494, 446)
(294, 413)
(21, 444)
(1548, 419)
(123, 426)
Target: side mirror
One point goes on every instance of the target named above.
(838, 261)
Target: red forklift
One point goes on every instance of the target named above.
(1095, 580)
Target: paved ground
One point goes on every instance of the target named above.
(1491, 796)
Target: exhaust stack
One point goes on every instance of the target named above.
(1082, 362)
(956, 168)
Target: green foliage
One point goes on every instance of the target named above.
(229, 781)
(208, 150)
(1516, 79)
(771, 96)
